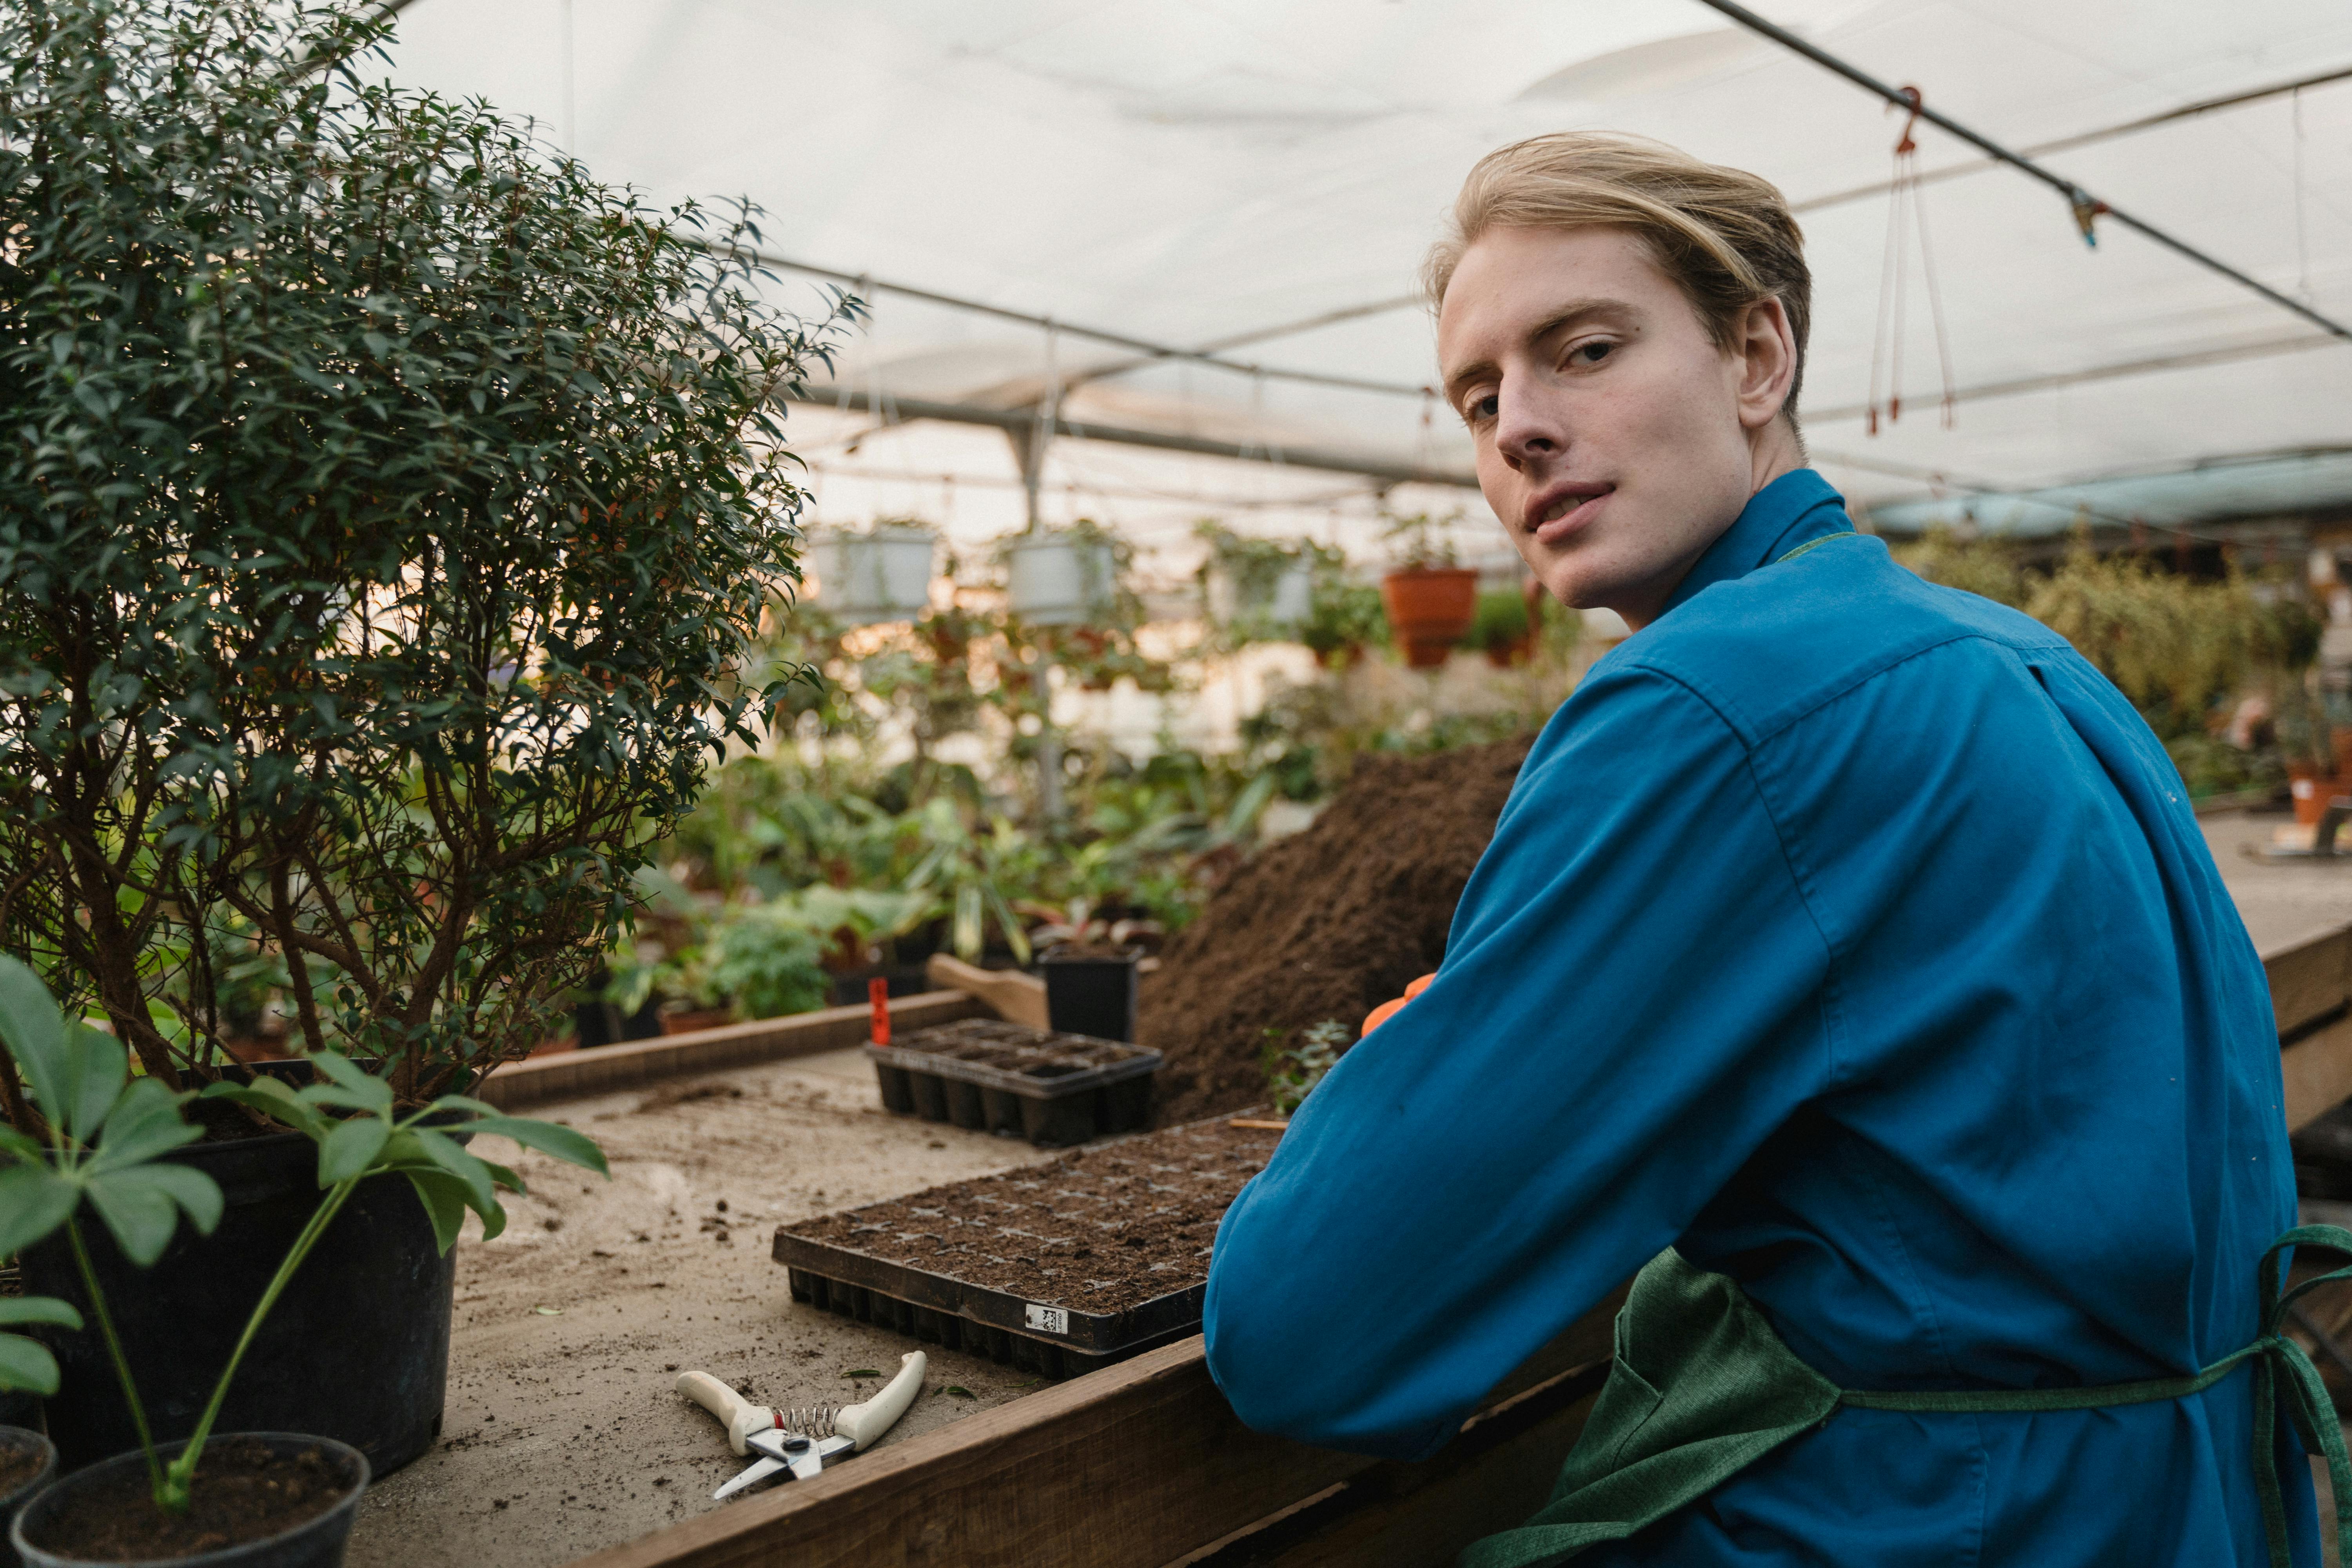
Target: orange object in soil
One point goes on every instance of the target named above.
(1387, 1010)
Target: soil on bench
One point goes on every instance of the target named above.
(242, 1491)
(1101, 1230)
(1325, 925)
(1015, 1047)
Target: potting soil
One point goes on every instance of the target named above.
(18, 1466)
(242, 1490)
(1327, 924)
(1101, 1230)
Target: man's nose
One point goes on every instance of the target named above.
(1526, 432)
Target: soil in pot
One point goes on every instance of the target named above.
(1327, 923)
(247, 1489)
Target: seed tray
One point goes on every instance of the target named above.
(1056, 1268)
(1052, 1089)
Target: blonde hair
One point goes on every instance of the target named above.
(1724, 235)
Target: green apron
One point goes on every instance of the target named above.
(1700, 1388)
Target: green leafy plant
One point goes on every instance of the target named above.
(1419, 542)
(389, 507)
(1292, 1074)
(768, 962)
(1500, 622)
(108, 1132)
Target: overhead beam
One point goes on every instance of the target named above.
(2149, 366)
(1022, 423)
(1150, 350)
(2085, 206)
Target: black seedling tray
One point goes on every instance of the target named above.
(1054, 1337)
(1053, 1090)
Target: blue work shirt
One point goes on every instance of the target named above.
(1854, 936)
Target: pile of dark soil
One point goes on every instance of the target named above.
(1327, 924)
(1102, 1230)
(242, 1491)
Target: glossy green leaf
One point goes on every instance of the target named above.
(443, 1198)
(142, 1205)
(16, 1143)
(145, 1122)
(546, 1137)
(273, 1099)
(35, 1032)
(38, 1309)
(505, 1178)
(34, 1201)
(350, 1148)
(354, 1079)
(26, 1367)
(451, 1157)
(97, 1067)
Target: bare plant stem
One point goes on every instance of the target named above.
(173, 1486)
(121, 1364)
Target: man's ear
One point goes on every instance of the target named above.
(1767, 353)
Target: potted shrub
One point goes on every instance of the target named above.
(281, 1498)
(1502, 628)
(881, 574)
(1430, 600)
(1256, 590)
(383, 596)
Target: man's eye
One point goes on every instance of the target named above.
(1485, 407)
(1592, 353)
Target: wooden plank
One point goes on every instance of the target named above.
(1421, 1516)
(1120, 1468)
(569, 1074)
(2309, 979)
(2317, 1070)
(1014, 996)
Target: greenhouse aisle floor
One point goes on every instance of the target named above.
(562, 1433)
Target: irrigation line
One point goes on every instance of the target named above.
(2084, 205)
(2085, 138)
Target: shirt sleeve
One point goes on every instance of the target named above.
(1633, 998)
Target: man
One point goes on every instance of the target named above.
(1847, 953)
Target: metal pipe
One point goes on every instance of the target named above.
(1019, 421)
(2080, 200)
(2147, 365)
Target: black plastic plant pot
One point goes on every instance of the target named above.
(318, 1542)
(992, 1076)
(1091, 995)
(356, 1350)
(17, 1444)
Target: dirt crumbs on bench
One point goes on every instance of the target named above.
(242, 1491)
(1101, 1230)
(1328, 924)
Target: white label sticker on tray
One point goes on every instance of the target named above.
(1050, 1319)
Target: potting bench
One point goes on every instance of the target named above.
(1143, 1465)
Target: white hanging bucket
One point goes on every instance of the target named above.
(884, 575)
(1293, 596)
(1055, 580)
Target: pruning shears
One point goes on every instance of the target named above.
(801, 1440)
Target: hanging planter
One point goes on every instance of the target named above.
(1429, 608)
(1062, 579)
(881, 575)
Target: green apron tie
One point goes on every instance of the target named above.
(1701, 1388)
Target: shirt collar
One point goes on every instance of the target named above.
(1798, 507)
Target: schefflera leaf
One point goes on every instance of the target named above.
(25, 1364)
(449, 1179)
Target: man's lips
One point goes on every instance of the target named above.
(1563, 510)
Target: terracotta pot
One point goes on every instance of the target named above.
(685, 1023)
(1429, 608)
(2312, 791)
(2339, 741)
(1516, 651)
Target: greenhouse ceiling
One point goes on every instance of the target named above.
(1261, 180)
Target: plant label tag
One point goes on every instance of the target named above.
(1050, 1319)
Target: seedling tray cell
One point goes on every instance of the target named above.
(1053, 1090)
(1056, 1269)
